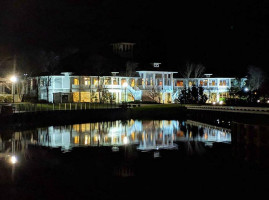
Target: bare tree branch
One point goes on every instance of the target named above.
(198, 71)
(256, 78)
(188, 70)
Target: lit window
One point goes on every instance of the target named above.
(87, 81)
(76, 81)
(179, 83)
(133, 83)
(76, 139)
(95, 81)
(107, 81)
(115, 82)
(123, 81)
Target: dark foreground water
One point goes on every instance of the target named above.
(156, 159)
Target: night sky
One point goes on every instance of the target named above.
(225, 36)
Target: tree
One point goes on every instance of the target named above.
(154, 93)
(194, 94)
(49, 63)
(198, 70)
(107, 96)
(193, 70)
(256, 78)
(186, 73)
(201, 96)
(130, 68)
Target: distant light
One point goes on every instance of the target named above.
(258, 101)
(13, 160)
(125, 140)
(125, 84)
(246, 89)
(214, 103)
(221, 102)
(13, 79)
(267, 101)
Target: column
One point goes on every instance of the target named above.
(153, 81)
(144, 78)
(218, 96)
(120, 96)
(172, 81)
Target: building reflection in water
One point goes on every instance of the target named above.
(146, 134)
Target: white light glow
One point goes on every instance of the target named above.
(221, 102)
(214, 103)
(246, 89)
(125, 140)
(13, 79)
(13, 160)
(258, 101)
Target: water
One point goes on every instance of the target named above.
(147, 135)
(122, 160)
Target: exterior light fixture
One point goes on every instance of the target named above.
(258, 101)
(221, 102)
(13, 159)
(246, 89)
(214, 103)
(13, 79)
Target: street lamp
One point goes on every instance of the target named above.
(125, 84)
(246, 89)
(13, 79)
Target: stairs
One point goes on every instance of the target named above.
(137, 93)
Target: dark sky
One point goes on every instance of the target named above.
(225, 36)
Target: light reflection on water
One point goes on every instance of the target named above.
(151, 134)
(146, 134)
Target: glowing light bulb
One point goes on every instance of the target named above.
(13, 160)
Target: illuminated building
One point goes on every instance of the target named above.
(148, 85)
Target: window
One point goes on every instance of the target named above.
(212, 83)
(132, 82)
(158, 76)
(95, 81)
(222, 83)
(123, 81)
(107, 81)
(115, 81)
(76, 81)
(87, 81)
(190, 83)
(179, 84)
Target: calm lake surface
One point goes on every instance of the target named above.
(122, 159)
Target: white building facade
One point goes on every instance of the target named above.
(158, 86)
